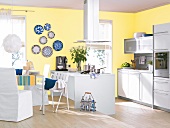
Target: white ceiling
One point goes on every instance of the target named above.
(105, 5)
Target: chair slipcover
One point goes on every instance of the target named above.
(14, 105)
(37, 89)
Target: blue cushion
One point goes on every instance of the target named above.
(18, 71)
(49, 83)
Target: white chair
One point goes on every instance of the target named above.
(15, 105)
(60, 87)
(37, 89)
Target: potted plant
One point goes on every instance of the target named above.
(78, 55)
(150, 66)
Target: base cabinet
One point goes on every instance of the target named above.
(135, 85)
(146, 83)
(123, 83)
(161, 99)
(162, 93)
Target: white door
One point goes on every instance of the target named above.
(123, 83)
(146, 83)
(134, 85)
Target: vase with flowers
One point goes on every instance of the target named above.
(78, 55)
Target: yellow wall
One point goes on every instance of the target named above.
(146, 19)
(68, 27)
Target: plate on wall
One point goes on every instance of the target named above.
(51, 34)
(47, 51)
(38, 29)
(47, 26)
(36, 49)
(57, 45)
(43, 40)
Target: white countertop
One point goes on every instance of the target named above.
(136, 70)
(79, 74)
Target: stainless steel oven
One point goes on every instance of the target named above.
(161, 63)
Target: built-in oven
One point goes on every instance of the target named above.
(161, 63)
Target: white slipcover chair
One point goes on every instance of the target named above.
(15, 105)
(37, 89)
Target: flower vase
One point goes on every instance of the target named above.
(79, 66)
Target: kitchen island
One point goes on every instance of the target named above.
(102, 89)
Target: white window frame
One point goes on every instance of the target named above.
(106, 45)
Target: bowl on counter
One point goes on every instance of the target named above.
(138, 34)
(127, 67)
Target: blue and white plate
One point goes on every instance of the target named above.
(47, 26)
(47, 51)
(51, 34)
(36, 49)
(43, 40)
(57, 45)
(38, 29)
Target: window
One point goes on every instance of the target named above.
(100, 54)
(14, 26)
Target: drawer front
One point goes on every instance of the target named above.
(162, 86)
(161, 99)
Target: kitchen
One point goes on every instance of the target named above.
(147, 86)
(68, 25)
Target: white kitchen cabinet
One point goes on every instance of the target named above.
(140, 45)
(146, 83)
(162, 36)
(134, 85)
(130, 45)
(162, 28)
(162, 93)
(145, 45)
(123, 83)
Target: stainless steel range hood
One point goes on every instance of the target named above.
(91, 22)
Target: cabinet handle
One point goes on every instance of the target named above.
(160, 82)
(164, 32)
(161, 93)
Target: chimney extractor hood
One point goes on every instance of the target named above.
(91, 22)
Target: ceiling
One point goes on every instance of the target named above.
(105, 5)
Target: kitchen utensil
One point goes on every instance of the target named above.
(86, 67)
(98, 70)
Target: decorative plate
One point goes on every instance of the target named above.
(38, 29)
(57, 45)
(47, 26)
(47, 51)
(51, 34)
(36, 49)
(43, 40)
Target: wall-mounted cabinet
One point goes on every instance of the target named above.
(130, 45)
(140, 45)
(162, 36)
